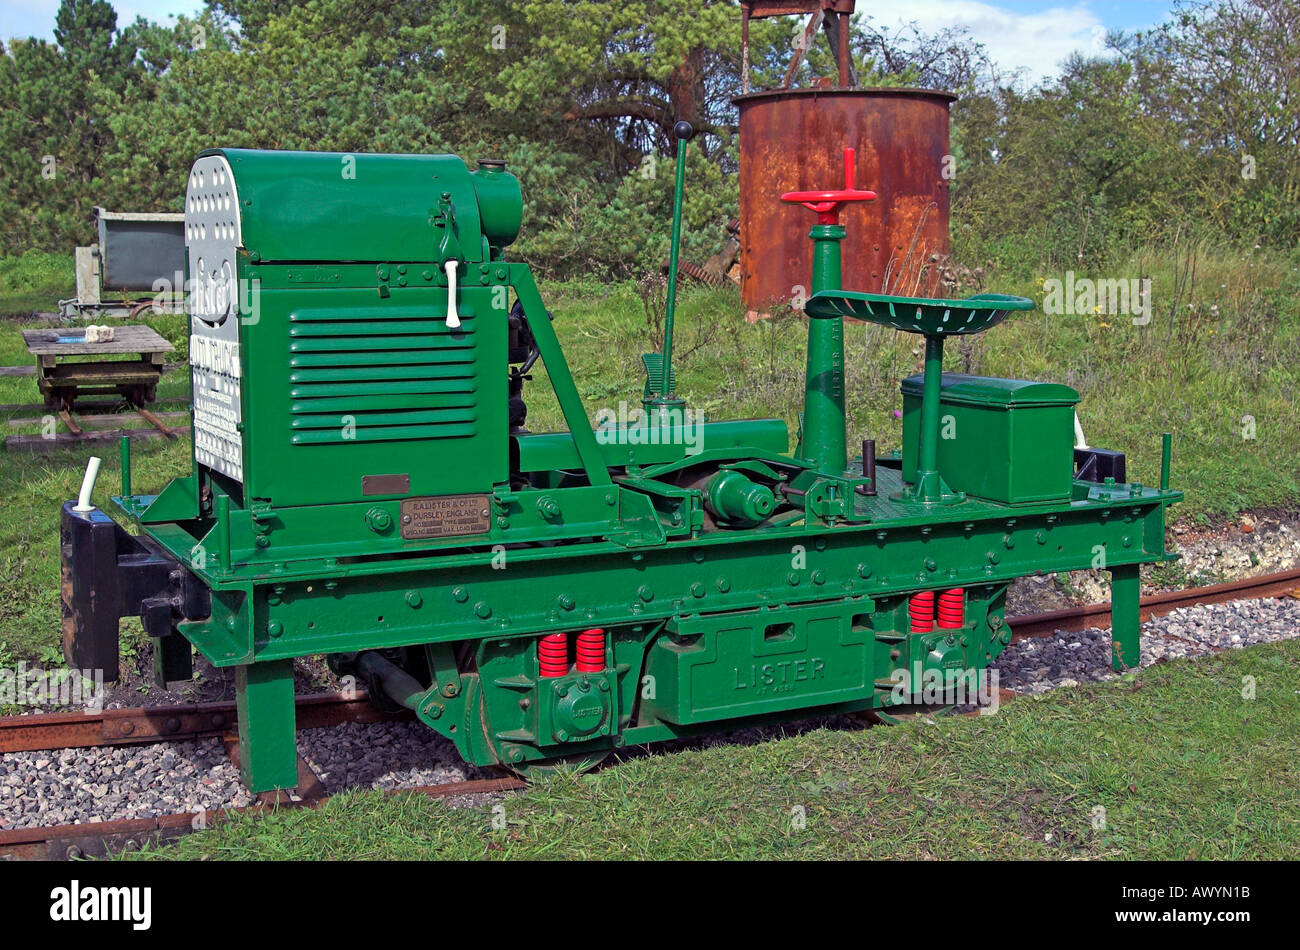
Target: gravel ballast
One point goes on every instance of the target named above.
(1067, 659)
(101, 784)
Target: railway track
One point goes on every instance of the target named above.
(69, 842)
(51, 731)
(169, 424)
(1155, 605)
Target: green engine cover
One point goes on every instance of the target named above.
(326, 366)
(340, 206)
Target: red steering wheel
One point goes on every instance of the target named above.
(828, 204)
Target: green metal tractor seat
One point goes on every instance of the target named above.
(934, 319)
(918, 314)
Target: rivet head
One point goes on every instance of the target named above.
(645, 593)
(565, 601)
(461, 594)
(819, 577)
(864, 570)
(413, 598)
(483, 609)
(274, 628)
(723, 585)
(792, 579)
(697, 590)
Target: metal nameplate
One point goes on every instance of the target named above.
(385, 484)
(445, 516)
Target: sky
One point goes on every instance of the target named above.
(1033, 35)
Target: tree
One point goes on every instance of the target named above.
(53, 137)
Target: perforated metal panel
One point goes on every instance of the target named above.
(212, 239)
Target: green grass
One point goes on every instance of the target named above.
(36, 280)
(35, 486)
(1178, 762)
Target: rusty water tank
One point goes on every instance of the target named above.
(794, 139)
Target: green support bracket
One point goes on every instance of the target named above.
(1125, 617)
(268, 742)
(557, 368)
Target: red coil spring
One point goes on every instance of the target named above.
(920, 608)
(553, 655)
(591, 651)
(952, 609)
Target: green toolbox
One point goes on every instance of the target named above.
(1004, 440)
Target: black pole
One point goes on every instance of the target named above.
(869, 465)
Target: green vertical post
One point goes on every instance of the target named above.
(1125, 617)
(824, 445)
(221, 511)
(928, 484)
(683, 132)
(268, 743)
(1166, 451)
(126, 466)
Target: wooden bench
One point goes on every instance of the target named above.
(63, 373)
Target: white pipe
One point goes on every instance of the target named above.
(1079, 441)
(88, 485)
(453, 318)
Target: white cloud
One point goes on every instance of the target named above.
(1035, 42)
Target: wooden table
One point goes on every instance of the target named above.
(63, 371)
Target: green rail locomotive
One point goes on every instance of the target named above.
(365, 487)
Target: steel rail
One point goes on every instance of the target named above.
(1156, 605)
(100, 839)
(143, 725)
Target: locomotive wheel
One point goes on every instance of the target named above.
(542, 768)
(893, 715)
